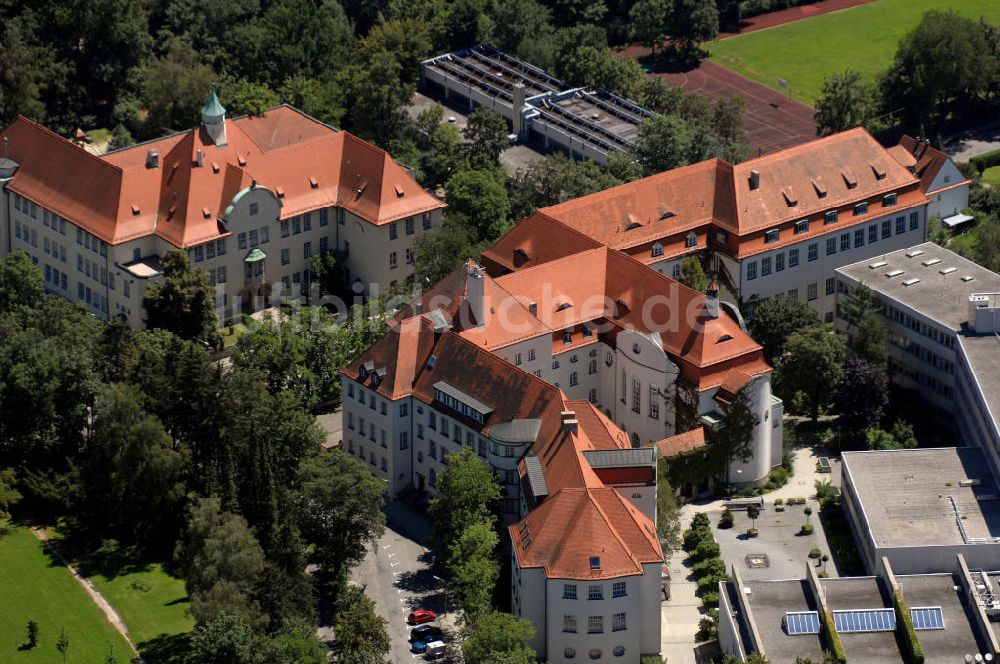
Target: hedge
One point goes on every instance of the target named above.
(750, 8)
(986, 160)
(833, 637)
(914, 652)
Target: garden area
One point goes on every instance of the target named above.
(863, 38)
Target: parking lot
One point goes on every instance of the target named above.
(399, 577)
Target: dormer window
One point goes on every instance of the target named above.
(567, 337)
(889, 200)
(595, 562)
(801, 226)
(830, 217)
(657, 249)
(691, 240)
(771, 236)
(861, 208)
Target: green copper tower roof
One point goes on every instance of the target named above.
(254, 255)
(212, 107)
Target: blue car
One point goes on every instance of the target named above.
(419, 646)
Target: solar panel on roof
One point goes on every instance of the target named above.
(865, 620)
(927, 617)
(801, 622)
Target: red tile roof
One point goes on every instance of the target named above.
(682, 442)
(312, 165)
(925, 160)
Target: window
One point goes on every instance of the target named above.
(619, 651)
(779, 262)
(889, 200)
(409, 226)
(569, 653)
(861, 208)
(392, 259)
(307, 221)
(831, 246)
(793, 257)
(595, 625)
(569, 591)
(691, 239)
(845, 241)
(617, 622)
(569, 623)
(831, 285)
(676, 272)
(242, 240)
(254, 241)
(592, 395)
(284, 228)
(409, 257)
(859, 237)
(432, 450)
(595, 653)
(751, 270)
(567, 336)
(636, 396)
(573, 380)
(592, 368)
(830, 217)
(285, 256)
(771, 235)
(811, 292)
(265, 235)
(296, 225)
(254, 208)
(404, 440)
(802, 226)
(900, 225)
(324, 217)
(813, 251)
(914, 221)
(517, 359)
(793, 294)
(873, 234)
(657, 249)
(427, 221)
(393, 230)
(618, 589)
(765, 266)
(307, 249)
(886, 229)
(595, 592)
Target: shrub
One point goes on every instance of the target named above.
(726, 520)
(825, 493)
(692, 538)
(651, 659)
(708, 584)
(986, 160)
(705, 550)
(707, 630)
(710, 600)
(815, 553)
(833, 638)
(710, 567)
(807, 529)
(779, 501)
(700, 521)
(822, 575)
(914, 651)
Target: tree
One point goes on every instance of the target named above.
(183, 303)
(242, 96)
(692, 274)
(319, 97)
(62, 644)
(668, 522)
(862, 395)
(473, 568)
(554, 179)
(736, 435)
(846, 102)
(899, 438)
(664, 143)
(120, 138)
(467, 493)
(443, 153)
(694, 21)
(32, 640)
(220, 561)
(597, 67)
(439, 252)
(361, 633)
(174, 87)
(752, 513)
(812, 365)
(866, 334)
(341, 509)
(485, 137)
(27, 69)
(9, 495)
(225, 639)
(376, 98)
(775, 320)
(21, 282)
(649, 20)
(498, 637)
(408, 40)
(808, 512)
(480, 197)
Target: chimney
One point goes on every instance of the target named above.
(475, 292)
(569, 422)
(712, 301)
(518, 107)
(754, 180)
(418, 306)
(199, 158)
(152, 159)
(984, 313)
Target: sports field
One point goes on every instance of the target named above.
(33, 587)
(862, 38)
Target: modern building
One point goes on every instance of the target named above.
(790, 618)
(775, 225)
(250, 199)
(920, 507)
(942, 314)
(541, 109)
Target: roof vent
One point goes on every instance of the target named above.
(206, 212)
(253, 184)
(241, 160)
(666, 215)
(313, 182)
(399, 192)
(280, 192)
(199, 158)
(947, 270)
(910, 282)
(876, 265)
(135, 210)
(893, 273)
(931, 261)
(967, 278)
(533, 308)
(152, 159)
(914, 253)
(789, 195)
(820, 189)
(849, 179)
(215, 167)
(633, 225)
(754, 180)
(878, 171)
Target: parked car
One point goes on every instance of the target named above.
(419, 646)
(425, 633)
(421, 616)
(435, 649)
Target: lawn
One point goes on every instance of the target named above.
(32, 587)
(991, 176)
(863, 38)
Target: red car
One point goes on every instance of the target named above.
(421, 616)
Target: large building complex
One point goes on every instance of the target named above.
(541, 109)
(250, 199)
(942, 314)
(776, 225)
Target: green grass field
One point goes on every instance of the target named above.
(862, 38)
(32, 587)
(991, 176)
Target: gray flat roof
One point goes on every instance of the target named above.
(862, 593)
(940, 645)
(943, 297)
(637, 457)
(904, 495)
(984, 359)
(769, 601)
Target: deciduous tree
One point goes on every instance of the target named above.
(692, 274)
(183, 303)
(862, 395)
(485, 137)
(846, 102)
(664, 143)
(473, 569)
(480, 196)
(496, 637)
(812, 365)
(467, 493)
(361, 632)
(775, 320)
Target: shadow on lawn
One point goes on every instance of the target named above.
(110, 560)
(165, 649)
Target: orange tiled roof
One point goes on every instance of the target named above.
(682, 442)
(925, 160)
(117, 198)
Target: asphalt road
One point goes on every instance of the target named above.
(398, 575)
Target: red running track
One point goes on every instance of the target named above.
(783, 16)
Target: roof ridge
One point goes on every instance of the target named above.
(45, 130)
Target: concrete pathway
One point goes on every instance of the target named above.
(94, 593)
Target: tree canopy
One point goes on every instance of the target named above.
(811, 366)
